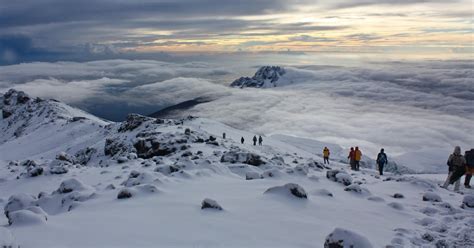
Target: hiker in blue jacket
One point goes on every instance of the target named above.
(381, 160)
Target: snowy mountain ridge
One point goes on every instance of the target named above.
(62, 175)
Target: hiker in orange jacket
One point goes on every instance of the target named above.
(357, 157)
(326, 154)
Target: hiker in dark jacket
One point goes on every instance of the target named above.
(260, 140)
(255, 140)
(242, 140)
(469, 156)
(381, 160)
(455, 162)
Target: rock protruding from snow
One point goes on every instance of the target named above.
(468, 201)
(18, 202)
(124, 194)
(26, 217)
(133, 121)
(242, 157)
(339, 176)
(289, 189)
(210, 204)
(71, 185)
(431, 197)
(342, 238)
(265, 77)
(398, 196)
(11, 99)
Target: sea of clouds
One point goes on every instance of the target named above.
(407, 107)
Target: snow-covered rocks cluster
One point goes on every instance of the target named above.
(23, 209)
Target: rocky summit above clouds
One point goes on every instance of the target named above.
(265, 77)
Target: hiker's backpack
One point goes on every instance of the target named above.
(382, 158)
(470, 158)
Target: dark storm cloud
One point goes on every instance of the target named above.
(15, 48)
(31, 12)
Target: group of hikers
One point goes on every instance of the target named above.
(254, 139)
(355, 155)
(260, 140)
(458, 166)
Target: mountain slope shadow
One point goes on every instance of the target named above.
(177, 110)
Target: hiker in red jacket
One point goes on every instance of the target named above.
(351, 158)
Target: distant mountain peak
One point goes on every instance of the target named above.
(265, 77)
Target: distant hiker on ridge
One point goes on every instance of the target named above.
(351, 158)
(381, 160)
(223, 135)
(326, 154)
(242, 140)
(456, 163)
(260, 140)
(254, 140)
(357, 158)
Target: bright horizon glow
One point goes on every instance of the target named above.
(209, 26)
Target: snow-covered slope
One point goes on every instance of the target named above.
(149, 182)
(35, 128)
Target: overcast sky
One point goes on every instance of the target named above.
(51, 30)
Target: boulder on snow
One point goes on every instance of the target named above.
(431, 197)
(124, 194)
(59, 166)
(209, 203)
(289, 189)
(242, 157)
(25, 217)
(342, 238)
(468, 201)
(71, 185)
(34, 171)
(339, 176)
(85, 155)
(398, 196)
(18, 202)
(62, 156)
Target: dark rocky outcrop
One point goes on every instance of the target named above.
(210, 204)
